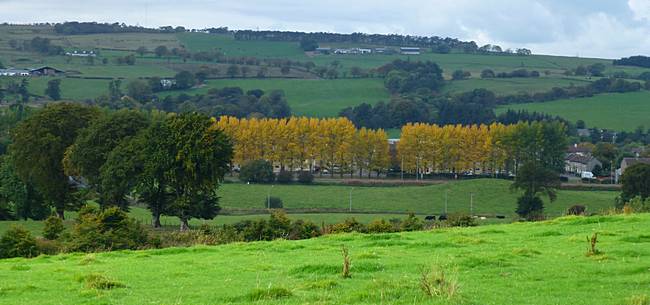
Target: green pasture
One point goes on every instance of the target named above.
(521, 263)
(617, 111)
(321, 98)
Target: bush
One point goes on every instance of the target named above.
(17, 241)
(273, 203)
(285, 177)
(258, 171)
(53, 227)
(380, 226)
(303, 229)
(577, 210)
(412, 223)
(460, 220)
(639, 205)
(349, 225)
(305, 177)
(110, 229)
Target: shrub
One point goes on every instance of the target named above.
(460, 220)
(49, 247)
(279, 224)
(17, 241)
(380, 226)
(110, 229)
(412, 223)
(639, 205)
(577, 210)
(53, 227)
(349, 225)
(285, 177)
(305, 177)
(99, 281)
(273, 203)
(301, 229)
(258, 171)
(346, 262)
(434, 282)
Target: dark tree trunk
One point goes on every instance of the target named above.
(155, 220)
(184, 224)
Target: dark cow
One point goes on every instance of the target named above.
(430, 218)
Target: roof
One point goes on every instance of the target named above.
(579, 149)
(12, 70)
(632, 161)
(578, 158)
(46, 67)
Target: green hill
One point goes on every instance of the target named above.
(522, 263)
(613, 111)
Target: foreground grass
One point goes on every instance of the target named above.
(522, 263)
(617, 111)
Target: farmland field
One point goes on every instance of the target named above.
(321, 98)
(613, 111)
(498, 264)
(490, 197)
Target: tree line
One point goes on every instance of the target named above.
(533, 151)
(173, 163)
(300, 143)
(80, 28)
(637, 61)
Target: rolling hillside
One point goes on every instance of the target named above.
(522, 263)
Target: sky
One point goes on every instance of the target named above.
(585, 28)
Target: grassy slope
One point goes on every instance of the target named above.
(512, 85)
(615, 111)
(524, 263)
(309, 97)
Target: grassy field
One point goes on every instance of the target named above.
(321, 98)
(523, 263)
(613, 111)
(505, 86)
(490, 197)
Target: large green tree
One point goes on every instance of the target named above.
(38, 146)
(538, 151)
(202, 157)
(18, 199)
(141, 164)
(91, 148)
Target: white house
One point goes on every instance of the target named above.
(14, 72)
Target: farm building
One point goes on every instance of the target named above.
(76, 53)
(410, 50)
(14, 72)
(577, 163)
(49, 71)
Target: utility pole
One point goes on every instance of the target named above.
(351, 199)
(401, 169)
(446, 195)
(471, 204)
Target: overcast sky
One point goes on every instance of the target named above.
(587, 28)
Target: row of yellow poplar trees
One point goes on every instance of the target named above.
(301, 143)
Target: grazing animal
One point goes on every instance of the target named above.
(430, 218)
(442, 217)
